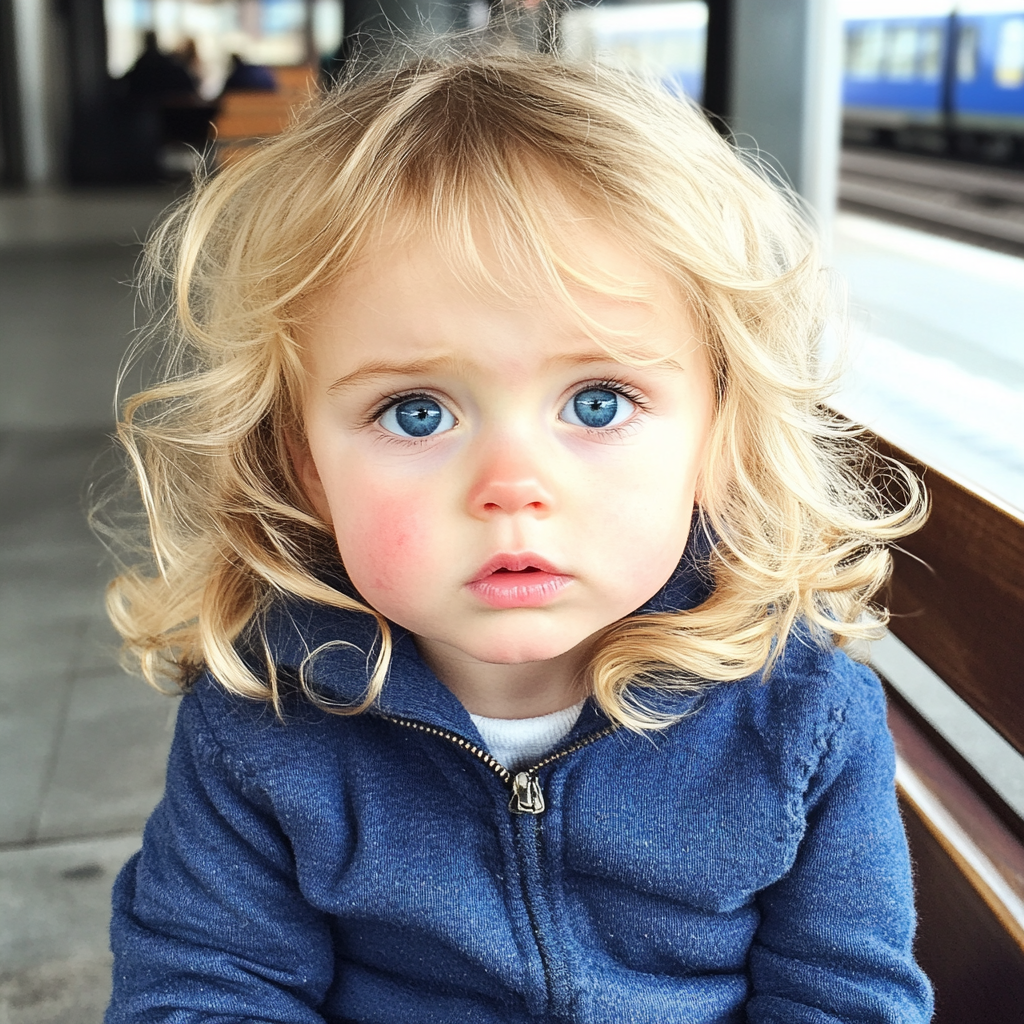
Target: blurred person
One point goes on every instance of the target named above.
(158, 75)
(187, 55)
(246, 77)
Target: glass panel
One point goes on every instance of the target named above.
(327, 26)
(666, 40)
(930, 54)
(901, 52)
(1010, 54)
(866, 49)
(967, 53)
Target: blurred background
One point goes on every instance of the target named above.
(900, 122)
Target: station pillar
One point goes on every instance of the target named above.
(27, 115)
(775, 78)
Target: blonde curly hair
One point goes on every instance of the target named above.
(799, 510)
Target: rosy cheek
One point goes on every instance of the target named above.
(385, 549)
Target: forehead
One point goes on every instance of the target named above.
(413, 297)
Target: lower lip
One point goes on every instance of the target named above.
(519, 589)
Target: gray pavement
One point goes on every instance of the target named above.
(82, 745)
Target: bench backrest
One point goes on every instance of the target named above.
(957, 598)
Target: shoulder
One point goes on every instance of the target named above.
(810, 713)
(814, 685)
(289, 632)
(247, 737)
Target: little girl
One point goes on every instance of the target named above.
(502, 545)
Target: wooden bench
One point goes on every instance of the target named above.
(246, 117)
(957, 596)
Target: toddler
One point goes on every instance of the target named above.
(504, 552)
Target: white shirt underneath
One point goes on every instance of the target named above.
(519, 742)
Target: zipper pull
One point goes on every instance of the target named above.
(527, 797)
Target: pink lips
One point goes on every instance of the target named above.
(518, 581)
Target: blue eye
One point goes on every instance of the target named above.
(417, 417)
(597, 407)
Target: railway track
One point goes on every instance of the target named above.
(981, 204)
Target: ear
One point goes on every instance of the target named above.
(306, 472)
(698, 493)
(700, 488)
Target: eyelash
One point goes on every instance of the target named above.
(389, 402)
(638, 398)
(392, 400)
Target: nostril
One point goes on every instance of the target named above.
(495, 506)
(515, 497)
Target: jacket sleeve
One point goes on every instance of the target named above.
(836, 933)
(209, 924)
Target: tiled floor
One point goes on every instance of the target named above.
(82, 745)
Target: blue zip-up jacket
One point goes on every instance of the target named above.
(748, 864)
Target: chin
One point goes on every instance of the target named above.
(520, 650)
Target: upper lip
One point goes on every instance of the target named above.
(516, 563)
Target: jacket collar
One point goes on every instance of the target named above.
(336, 649)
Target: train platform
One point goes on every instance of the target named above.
(935, 352)
(936, 359)
(82, 746)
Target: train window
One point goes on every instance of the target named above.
(929, 65)
(865, 47)
(901, 52)
(1010, 54)
(967, 53)
(666, 40)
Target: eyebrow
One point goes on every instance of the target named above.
(375, 370)
(378, 369)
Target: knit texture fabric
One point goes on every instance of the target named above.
(748, 864)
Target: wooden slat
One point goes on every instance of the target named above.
(257, 114)
(969, 876)
(300, 78)
(977, 783)
(252, 125)
(957, 598)
(979, 826)
(975, 967)
(255, 102)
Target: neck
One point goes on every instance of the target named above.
(526, 690)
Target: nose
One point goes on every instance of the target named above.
(510, 481)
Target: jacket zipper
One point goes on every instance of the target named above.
(527, 797)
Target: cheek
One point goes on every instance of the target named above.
(654, 498)
(644, 525)
(646, 547)
(385, 544)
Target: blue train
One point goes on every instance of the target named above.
(936, 75)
